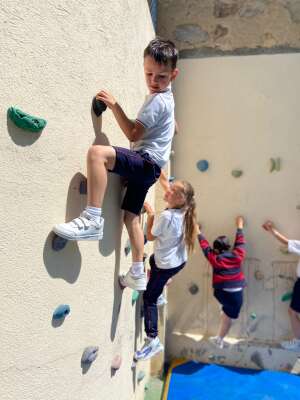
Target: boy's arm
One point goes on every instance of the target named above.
(269, 227)
(133, 130)
(207, 250)
(239, 244)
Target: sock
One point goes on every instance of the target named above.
(95, 212)
(137, 268)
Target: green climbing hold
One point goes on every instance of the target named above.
(253, 315)
(26, 121)
(275, 164)
(236, 173)
(287, 296)
(135, 296)
(284, 250)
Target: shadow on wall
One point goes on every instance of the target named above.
(19, 136)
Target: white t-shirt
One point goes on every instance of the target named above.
(294, 247)
(157, 116)
(169, 246)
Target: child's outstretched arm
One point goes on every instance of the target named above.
(239, 243)
(150, 220)
(269, 227)
(207, 250)
(133, 130)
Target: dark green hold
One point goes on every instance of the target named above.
(25, 121)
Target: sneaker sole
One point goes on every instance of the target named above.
(159, 350)
(123, 285)
(71, 238)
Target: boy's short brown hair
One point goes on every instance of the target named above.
(163, 51)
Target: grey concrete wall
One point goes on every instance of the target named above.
(55, 55)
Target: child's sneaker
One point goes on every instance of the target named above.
(217, 341)
(161, 301)
(82, 228)
(292, 345)
(150, 349)
(135, 282)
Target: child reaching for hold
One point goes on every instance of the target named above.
(174, 233)
(228, 278)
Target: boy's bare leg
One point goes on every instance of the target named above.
(225, 325)
(295, 323)
(99, 160)
(136, 235)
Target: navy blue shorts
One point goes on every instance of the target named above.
(231, 301)
(295, 303)
(140, 172)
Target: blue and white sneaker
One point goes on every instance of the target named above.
(150, 349)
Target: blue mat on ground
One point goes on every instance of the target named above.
(197, 381)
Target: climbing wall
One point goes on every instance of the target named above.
(239, 147)
(65, 320)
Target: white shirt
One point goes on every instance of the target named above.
(169, 246)
(157, 116)
(294, 247)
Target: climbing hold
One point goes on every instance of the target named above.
(25, 121)
(284, 250)
(236, 173)
(145, 256)
(193, 289)
(98, 106)
(58, 243)
(287, 296)
(116, 362)
(127, 248)
(298, 207)
(89, 355)
(61, 311)
(275, 164)
(253, 315)
(258, 275)
(83, 187)
(140, 376)
(146, 387)
(172, 153)
(145, 239)
(202, 165)
(135, 296)
(172, 179)
(212, 357)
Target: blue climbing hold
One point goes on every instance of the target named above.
(58, 243)
(83, 187)
(61, 311)
(202, 165)
(89, 355)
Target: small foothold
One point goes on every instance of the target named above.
(134, 363)
(193, 289)
(135, 296)
(284, 250)
(259, 275)
(26, 121)
(98, 106)
(172, 153)
(58, 243)
(140, 376)
(61, 311)
(172, 179)
(287, 296)
(127, 248)
(202, 165)
(145, 256)
(298, 207)
(236, 173)
(146, 387)
(89, 355)
(212, 357)
(253, 315)
(116, 362)
(83, 187)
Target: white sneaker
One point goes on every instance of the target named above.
(217, 341)
(150, 349)
(292, 345)
(161, 301)
(134, 282)
(82, 228)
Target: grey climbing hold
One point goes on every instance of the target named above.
(298, 207)
(202, 165)
(275, 164)
(127, 248)
(58, 243)
(212, 357)
(83, 187)
(236, 173)
(140, 376)
(193, 289)
(116, 362)
(98, 106)
(256, 358)
(258, 275)
(26, 121)
(61, 311)
(89, 355)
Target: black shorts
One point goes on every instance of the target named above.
(231, 301)
(295, 303)
(141, 173)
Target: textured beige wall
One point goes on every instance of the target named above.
(54, 56)
(237, 113)
(209, 27)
